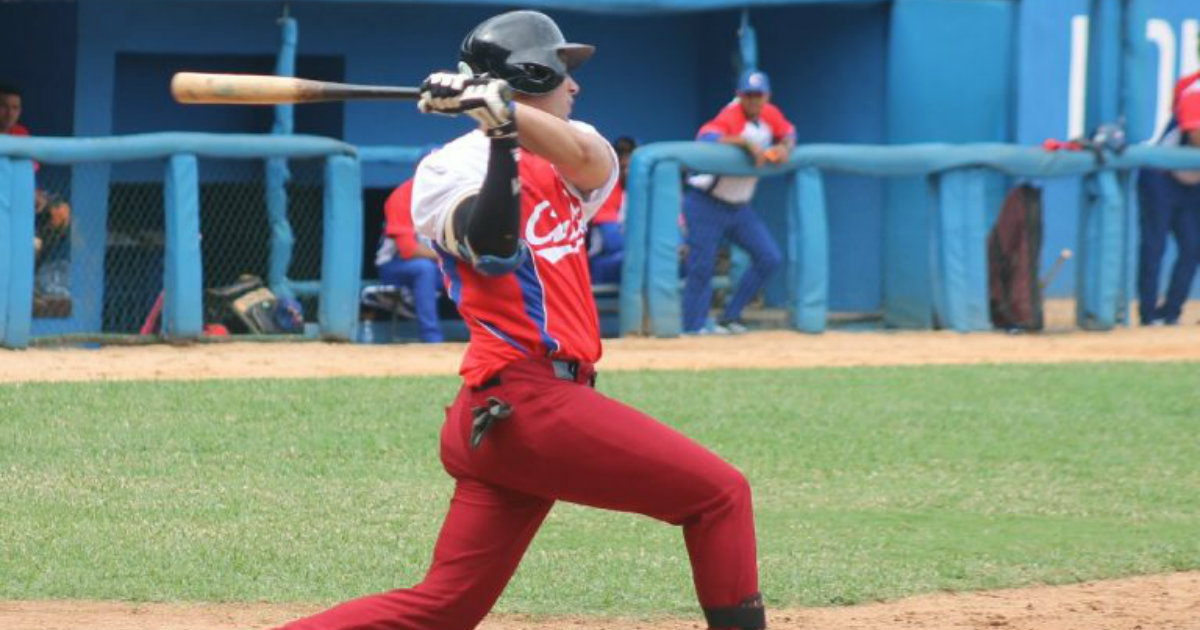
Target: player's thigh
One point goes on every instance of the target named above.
(575, 444)
(1186, 226)
(1156, 196)
(706, 222)
(750, 233)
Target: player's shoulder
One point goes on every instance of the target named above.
(775, 117)
(459, 151)
(731, 113)
(461, 163)
(582, 126)
(772, 110)
(457, 155)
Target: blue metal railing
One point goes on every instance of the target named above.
(650, 288)
(649, 284)
(183, 285)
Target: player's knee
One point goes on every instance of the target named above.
(734, 488)
(769, 260)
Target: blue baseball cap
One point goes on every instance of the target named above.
(754, 81)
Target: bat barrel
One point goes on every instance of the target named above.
(250, 89)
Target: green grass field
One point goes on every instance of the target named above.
(869, 483)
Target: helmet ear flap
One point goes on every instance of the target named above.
(525, 48)
(538, 78)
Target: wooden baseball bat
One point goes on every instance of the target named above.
(194, 88)
(1063, 256)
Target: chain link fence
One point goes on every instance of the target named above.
(235, 227)
(52, 243)
(125, 282)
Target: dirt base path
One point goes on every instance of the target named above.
(1162, 602)
(1142, 603)
(776, 349)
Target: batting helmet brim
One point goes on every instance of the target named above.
(575, 54)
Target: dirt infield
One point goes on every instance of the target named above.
(1164, 602)
(1154, 602)
(776, 349)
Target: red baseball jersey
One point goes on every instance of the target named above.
(612, 210)
(399, 236)
(771, 127)
(1187, 102)
(544, 308)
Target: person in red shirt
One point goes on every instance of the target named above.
(405, 259)
(606, 231)
(717, 208)
(10, 111)
(507, 208)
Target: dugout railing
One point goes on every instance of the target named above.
(167, 195)
(957, 177)
(649, 294)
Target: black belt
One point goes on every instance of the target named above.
(563, 371)
(487, 415)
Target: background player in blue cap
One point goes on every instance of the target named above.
(718, 207)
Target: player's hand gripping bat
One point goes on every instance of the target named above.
(254, 89)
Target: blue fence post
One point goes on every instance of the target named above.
(662, 263)
(341, 252)
(632, 299)
(7, 241)
(1101, 241)
(183, 271)
(962, 252)
(808, 252)
(20, 260)
(283, 239)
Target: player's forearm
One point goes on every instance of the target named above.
(493, 226)
(582, 158)
(736, 141)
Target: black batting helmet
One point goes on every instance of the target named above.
(525, 48)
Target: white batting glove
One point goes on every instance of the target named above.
(488, 101)
(440, 93)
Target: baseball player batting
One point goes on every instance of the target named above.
(507, 206)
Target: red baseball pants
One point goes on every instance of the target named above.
(563, 440)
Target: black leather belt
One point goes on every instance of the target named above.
(563, 371)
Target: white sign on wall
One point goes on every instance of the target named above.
(1160, 34)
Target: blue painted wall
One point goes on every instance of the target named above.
(828, 65)
(37, 54)
(1042, 111)
(949, 80)
(655, 77)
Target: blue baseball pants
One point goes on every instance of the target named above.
(423, 277)
(1166, 206)
(709, 222)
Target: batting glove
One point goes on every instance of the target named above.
(488, 101)
(440, 93)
